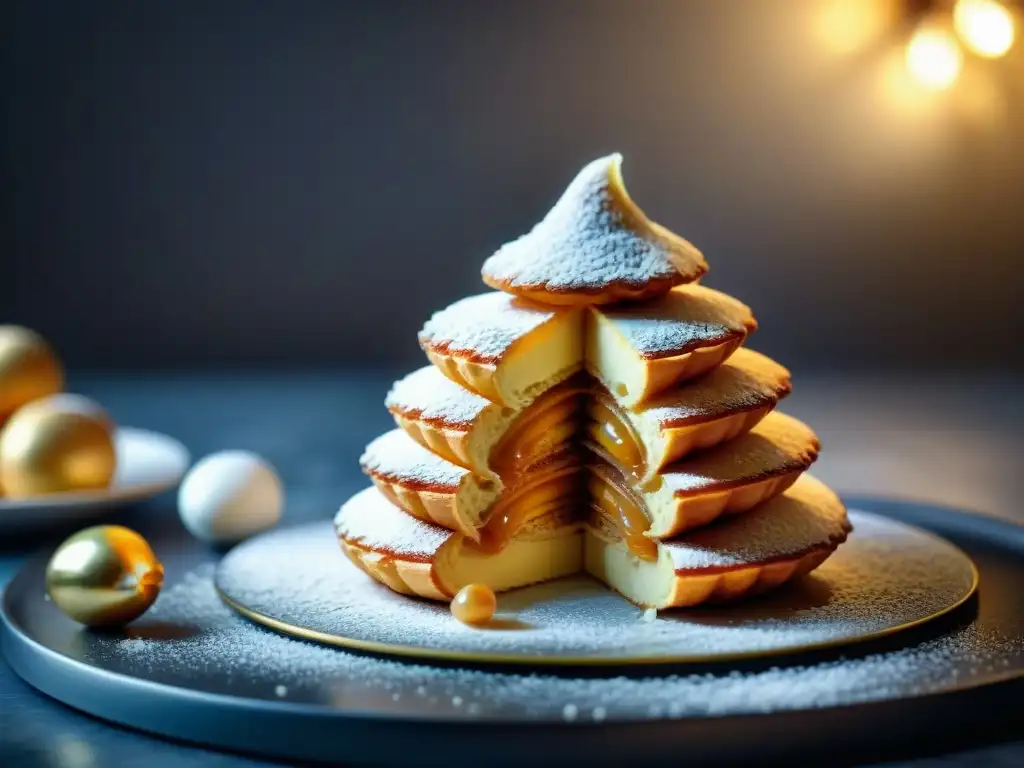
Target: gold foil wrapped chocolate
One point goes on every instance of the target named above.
(104, 576)
(29, 369)
(56, 444)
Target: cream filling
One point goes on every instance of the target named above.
(646, 582)
(524, 561)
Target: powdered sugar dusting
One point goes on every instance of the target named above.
(133, 645)
(217, 650)
(428, 395)
(373, 522)
(807, 515)
(686, 318)
(590, 240)
(299, 577)
(746, 381)
(482, 327)
(777, 445)
(396, 456)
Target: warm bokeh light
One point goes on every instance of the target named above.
(849, 26)
(980, 103)
(934, 57)
(986, 26)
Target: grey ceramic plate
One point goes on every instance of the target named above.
(148, 464)
(192, 669)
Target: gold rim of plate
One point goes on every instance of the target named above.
(442, 654)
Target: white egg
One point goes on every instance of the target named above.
(228, 496)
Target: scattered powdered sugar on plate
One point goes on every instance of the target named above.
(191, 639)
(298, 576)
(133, 645)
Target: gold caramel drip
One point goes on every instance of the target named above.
(548, 423)
(613, 500)
(617, 437)
(551, 492)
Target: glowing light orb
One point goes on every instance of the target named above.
(934, 58)
(985, 26)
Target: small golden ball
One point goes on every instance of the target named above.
(474, 604)
(56, 444)
(104, 576)
(29, 369)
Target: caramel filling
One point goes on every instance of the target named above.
(614, 500)
(547, 425)
(616, 436)
(550, 492)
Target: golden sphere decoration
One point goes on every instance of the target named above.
(56, 444)
(474, 604)
(104, 576)
(29, 369)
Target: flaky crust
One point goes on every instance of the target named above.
(734, 559)
(595, 246)
(612, 292)
(691, 589)
(687, 318)
(406, 554)
(392, 546)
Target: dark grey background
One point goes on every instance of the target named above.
(274, 183)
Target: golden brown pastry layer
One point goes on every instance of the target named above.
(603, 341)
(640, 350)
(728, 479)
(712, 409)
(782, 538)
(786, 537)
(484, 437)
(490, 512)
(509, 350)
(414, 557)
(595, 246)
(503, 348)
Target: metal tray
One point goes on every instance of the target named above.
(195, 671)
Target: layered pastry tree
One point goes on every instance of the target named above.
(597, 412)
